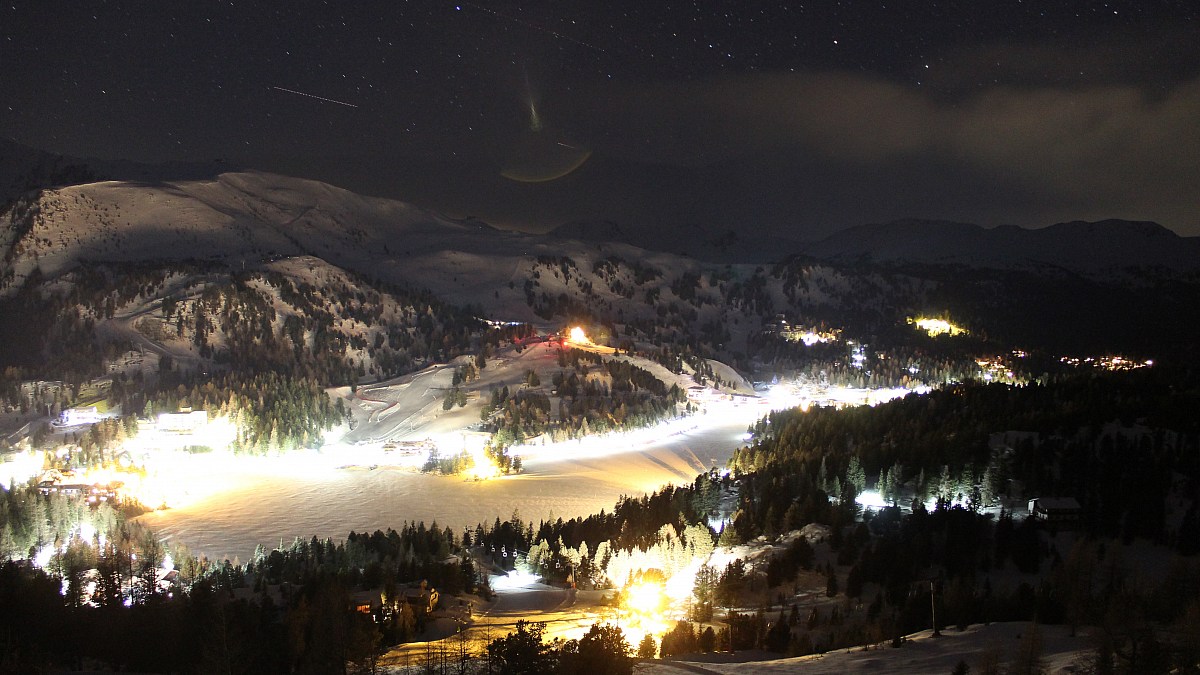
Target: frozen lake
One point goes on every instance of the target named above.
(239, 502)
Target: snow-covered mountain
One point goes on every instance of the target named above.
(245, 221)
(24, 169)
(237, 218)
(1077, 246)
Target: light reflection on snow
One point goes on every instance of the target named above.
(87, 532)
(224, 503)
(714, 413)
(513, 580)
(681, 584)
(871, 499)
(19, 467)
(42, 557)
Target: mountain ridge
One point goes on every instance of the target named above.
(719, 245)
(24, 169)
(1079, 246)
(1093, 248)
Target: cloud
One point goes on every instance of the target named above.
(1099, 151)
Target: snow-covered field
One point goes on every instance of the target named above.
(367, 475)
(367, 478)
(250, 501)
(255, 501)
(356, 484)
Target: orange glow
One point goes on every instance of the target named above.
(935, 327)
(645, 598)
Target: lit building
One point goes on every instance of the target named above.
(183, 422)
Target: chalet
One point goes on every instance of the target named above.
(422, 598)
(366, 602)
(73, 417)
(1054, 509)
(95, 493)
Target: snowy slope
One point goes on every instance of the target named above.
(238, 216)
(996, 643)
(242, 219)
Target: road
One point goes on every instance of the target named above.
(419, 395)
(566, 615)
(123, 325)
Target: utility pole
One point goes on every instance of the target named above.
(933, 610)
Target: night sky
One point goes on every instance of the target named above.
(790, 118)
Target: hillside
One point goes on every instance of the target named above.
(241, 220)
(394, 339)
(24, 170)
(979, 646)
(254, 223)
(236, 218)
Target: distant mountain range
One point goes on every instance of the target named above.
(238, 218)
(1096, 248)
(691, 240)
(1080, 247)
(1076, 246)
(688, 280)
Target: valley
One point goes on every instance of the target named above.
(558, 338)
(256, 383)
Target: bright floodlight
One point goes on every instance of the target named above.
(645, 598)
(482, 466)
(514, 579)
(577, 335)
(935, 327)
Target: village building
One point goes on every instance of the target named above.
(1054, 509)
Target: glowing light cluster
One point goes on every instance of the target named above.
(1113, 362)
(154, 467)
(19, 467)
(577, 335)
(132, 484)
(871, 499)
(645, 598)
(935, 327)
(643, 611)
(482, 466)
(995, 369)
(810, 336)
(858, 356)
(176, 431)
(513, 580)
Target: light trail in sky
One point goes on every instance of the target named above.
(319, 98)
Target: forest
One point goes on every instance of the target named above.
(262, 362)
(950, 465)
(881, 569)
(595, 395)
(132, 603)
(1123, 444)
